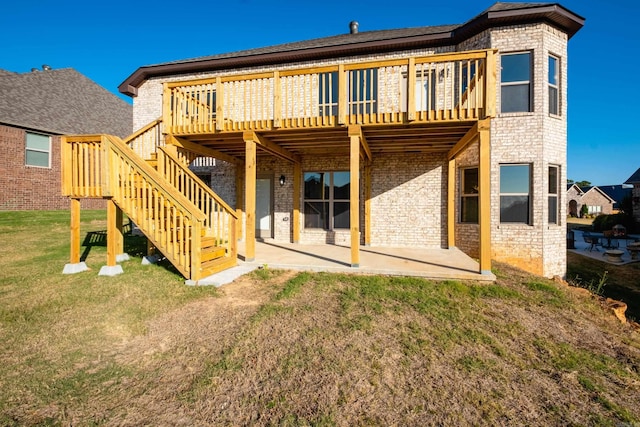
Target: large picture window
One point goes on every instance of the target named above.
(469, 195)
(554, 86)
(38, 150)
(326, 200)
(515, 79)
(515, 193)
(554, 174)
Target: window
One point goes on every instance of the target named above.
(328, 94)
(515, 190)
(469, 195)
(554, 174)
(38, 150)
(554, 100)
(326, 200)
(515, 80)
(363, 91)
(594, 210)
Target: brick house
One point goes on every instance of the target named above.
(36, 108)
(634, 180)
(431, 137)
(597, 201)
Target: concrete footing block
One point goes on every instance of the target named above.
(75, 268)
(149, 260)
(122, 257)
(109, 270)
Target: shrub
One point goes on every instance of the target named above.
(606, 222)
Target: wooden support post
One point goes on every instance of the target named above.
(219, 104)
(355, 200)
(490, 92)
(75, 231)
(250, 197)
(239, 200)
(112, 233)
(484, 196)
(119, 232)
(297, 180)
(451, 204)
(367, 203)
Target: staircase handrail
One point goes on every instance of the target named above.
(153, 131)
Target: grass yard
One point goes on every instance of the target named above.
(291, 348)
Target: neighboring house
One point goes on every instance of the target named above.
(430, 137)
(635, 194)
(36, 108)
(597, 201)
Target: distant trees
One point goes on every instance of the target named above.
(579, 183)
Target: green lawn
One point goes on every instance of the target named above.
(291, 348)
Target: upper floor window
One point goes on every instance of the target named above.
(554, 85)
(327, 200)
(515, 80)
(38, 150)
(554, 181)
(469, 195)
(515, 193)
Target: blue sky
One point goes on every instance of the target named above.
(107, 41)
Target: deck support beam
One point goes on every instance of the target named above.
(250, 199)
(75, 265)
(354, 208)
(270, 146)
(239, 200)
(484, 195)
(297, 184)
(114, 238)
(202, 150)
(367, 203)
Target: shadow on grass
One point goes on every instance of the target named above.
(133, 245)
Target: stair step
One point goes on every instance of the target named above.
(211, 253)
(217, 265)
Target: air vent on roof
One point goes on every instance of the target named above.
(46, 67)
(353, 27)
(35, 70)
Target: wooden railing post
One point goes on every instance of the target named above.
(490, 82)
(342, 95)
(219, 104)
(411, 89)
(167, 115)
(277, 100)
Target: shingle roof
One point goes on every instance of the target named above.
(616, 192)
(365, 42)
(634, 179)
(62, 101)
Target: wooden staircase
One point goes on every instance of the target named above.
(185, 220)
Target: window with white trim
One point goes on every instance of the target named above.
(327, 200)
(554, 85)
(469, 195)
(515, 83)
(515, 193)
(554, 192)
(37, 150)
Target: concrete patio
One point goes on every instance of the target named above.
(438, 264)
(582, 248)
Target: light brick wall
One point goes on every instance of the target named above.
(25, 187)
(537, 139)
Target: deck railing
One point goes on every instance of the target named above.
(445, 87)
(102, 166)
(219, 218)
(145, 141)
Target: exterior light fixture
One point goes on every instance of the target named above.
(282, 180)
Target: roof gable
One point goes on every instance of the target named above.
(367, 42)
(634, 179)
(62, 101)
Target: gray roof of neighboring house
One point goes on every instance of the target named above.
(616, 192)
(62, 101)
(365, 42)
(634, 179)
